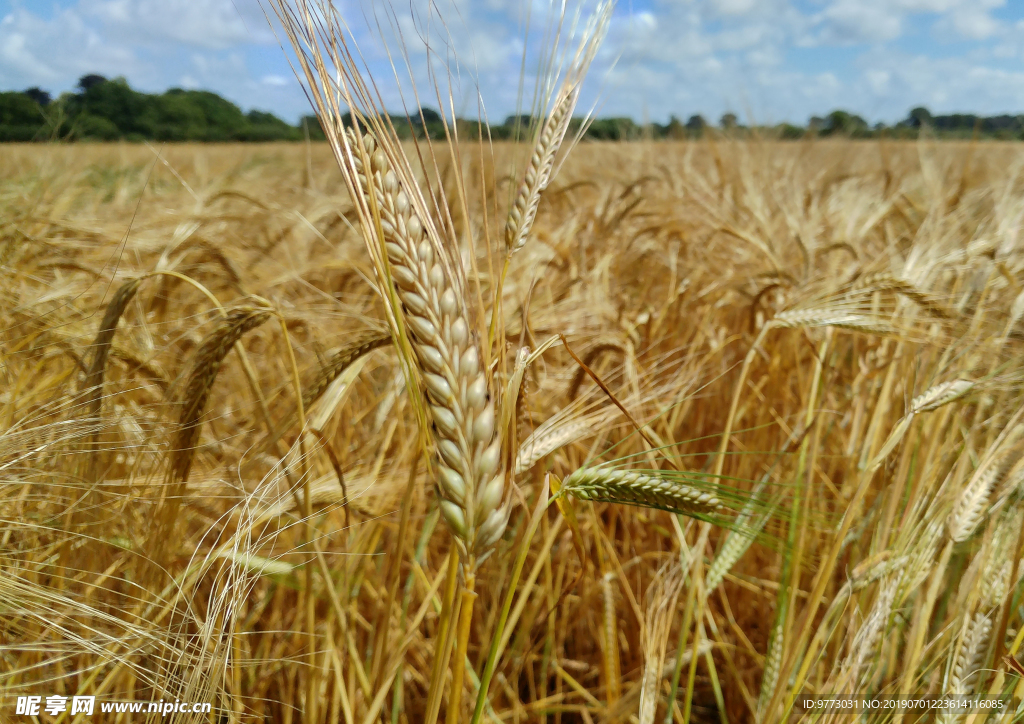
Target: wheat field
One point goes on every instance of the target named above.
(775, 455)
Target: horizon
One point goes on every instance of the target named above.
(769, 62)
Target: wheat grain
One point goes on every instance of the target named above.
(472, 488)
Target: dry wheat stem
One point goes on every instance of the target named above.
(469, 481)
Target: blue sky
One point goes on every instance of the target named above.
(766, 60)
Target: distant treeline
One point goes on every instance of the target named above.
(102, 109)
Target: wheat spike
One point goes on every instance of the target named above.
(995, 576)
(971, 505)
(796, 318)
(887, 282)
(969, 660)
(939, 395)
(206, 364)
(338, 362)
(772, 664)
(609, 485)
(662, 598)
(551, 134)
(548, 438)
(538, 172)
(102, 344)
(471, 485)
(610, 636)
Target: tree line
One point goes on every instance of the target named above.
(103, 109)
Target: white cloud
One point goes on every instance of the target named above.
(34, 51)
(274, 79)
(210, 24)
(854, 21)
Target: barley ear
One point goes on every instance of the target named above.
(339, 360)
(608, 485)
(455, 386)
(93, 385)
(538, 171)
(206, 362)
(551, 134)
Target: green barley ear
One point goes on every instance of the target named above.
(643, 489)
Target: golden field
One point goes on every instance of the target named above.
(824, 334)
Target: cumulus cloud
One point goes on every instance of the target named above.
(209, 24)
(37, 51)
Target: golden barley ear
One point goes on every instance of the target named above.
(339, 360)
(206, 363)
(93, 384)
(447, 356)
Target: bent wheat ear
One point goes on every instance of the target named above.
(339, 361)
(101, 345)
(887, 282)
(608, 485)
(206, 364)
(967, 664)
(455, 385)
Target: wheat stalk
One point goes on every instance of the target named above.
(608, 485)
(455, 385)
